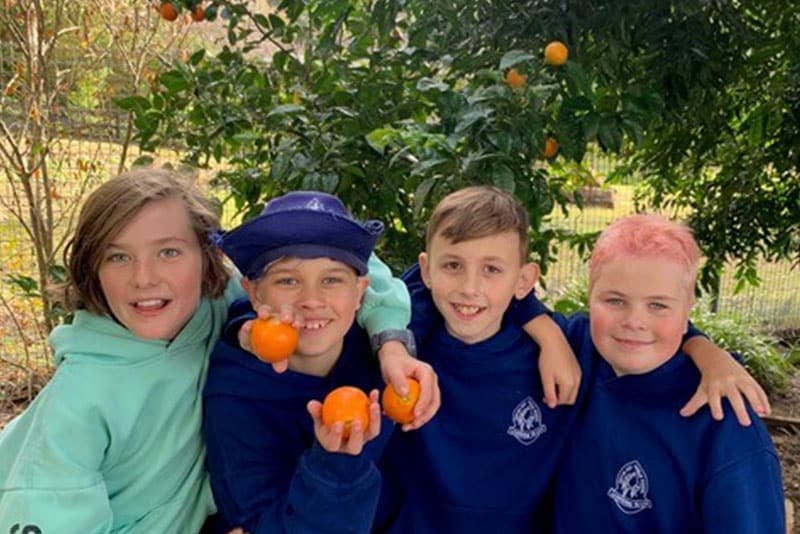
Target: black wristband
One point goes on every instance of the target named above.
(406, 337)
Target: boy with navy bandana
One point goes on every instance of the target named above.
(633, 464)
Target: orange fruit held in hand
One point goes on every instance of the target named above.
(168, 11)
(550, 148)
(198, 14)
(347, 404)
(272, 340)
(514, 79)
(556, 53)
(401, 409)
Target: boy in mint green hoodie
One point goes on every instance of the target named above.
(113, 443)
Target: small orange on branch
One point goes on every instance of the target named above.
(556, 53)
(514, 79)
(550, 148)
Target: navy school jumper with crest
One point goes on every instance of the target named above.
(487, 460)
(635, 465)
(268, 472)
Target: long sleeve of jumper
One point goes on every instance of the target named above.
(58, 448)
(260, 484)
(386, 304)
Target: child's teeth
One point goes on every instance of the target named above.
(315, 325)
(468, 310)
(154, 303)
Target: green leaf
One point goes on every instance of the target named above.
(634, 131)
(421, 194)
(471, 117)
(285, 109)
(197, 57)
(591, 123)
(136, 104)
(276, 22)
(577, 78)
(380, 138)
(27, 285)
(429, 84)
(503, 178)
(609, 135)
(143, 161)
(174, 81)
(514, 57)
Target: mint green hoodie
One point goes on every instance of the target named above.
(113, 442)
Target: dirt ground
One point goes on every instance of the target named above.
(14, 388)
(787, 442)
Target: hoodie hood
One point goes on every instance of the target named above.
(101, 340)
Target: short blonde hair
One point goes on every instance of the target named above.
(476, 212)
(109, 209)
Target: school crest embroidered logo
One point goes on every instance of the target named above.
(630, 489)
(526, 422)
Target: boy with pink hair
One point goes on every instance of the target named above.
(649, 469)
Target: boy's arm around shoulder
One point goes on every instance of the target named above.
(50, 461)
(558, 367)
(387, 306)
(722, 376)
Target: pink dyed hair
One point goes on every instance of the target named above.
(645, 235)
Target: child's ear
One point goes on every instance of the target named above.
(424, 268)
(249, 288)
(362, 283)
(528, 276)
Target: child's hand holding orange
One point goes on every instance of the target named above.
(400, 408)
(397, 367)
(272, 338)
(346, 420)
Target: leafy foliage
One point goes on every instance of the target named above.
(393, 103)
(351, 100)
(701, 97)
(759, 350)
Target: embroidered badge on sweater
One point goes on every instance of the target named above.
(526, 422)
(630, 489)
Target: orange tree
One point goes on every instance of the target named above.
(700, 99)
(393, 103)
(341, 97)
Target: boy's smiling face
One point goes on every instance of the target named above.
(472, 282)
(638, 311)
(326, 292)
